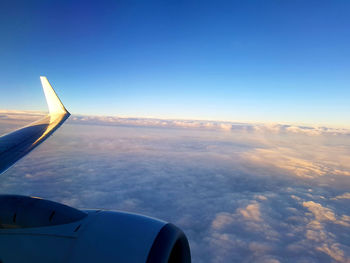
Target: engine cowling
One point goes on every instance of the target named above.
(37, 230)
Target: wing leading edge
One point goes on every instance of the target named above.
(15, 145)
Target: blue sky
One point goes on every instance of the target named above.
(247, 61)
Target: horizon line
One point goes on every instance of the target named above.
(298, 124)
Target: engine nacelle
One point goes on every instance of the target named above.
(37, 230)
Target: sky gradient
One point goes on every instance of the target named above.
(246, 61)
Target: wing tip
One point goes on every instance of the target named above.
(53, 102)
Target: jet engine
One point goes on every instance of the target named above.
(38, 230)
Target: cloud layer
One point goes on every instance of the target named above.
(274, 128)
(244, 193)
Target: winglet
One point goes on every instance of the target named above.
(15, 145)
(53, 102)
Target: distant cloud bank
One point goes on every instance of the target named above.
(194, 124)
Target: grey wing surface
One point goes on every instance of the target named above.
(15, 145)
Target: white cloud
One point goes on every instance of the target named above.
(285, 159)
(343, 196)
(334, 252)
(249, 195)
(323, 239)
(221, 220)
(251, 212)
(323, 213)
(261, 197)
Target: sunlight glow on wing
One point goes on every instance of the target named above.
(53, 102)
(17, 144)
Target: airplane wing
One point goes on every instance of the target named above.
(17, 144)
(40, 231)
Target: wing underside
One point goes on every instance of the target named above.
(17, 144)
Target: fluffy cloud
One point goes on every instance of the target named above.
(20, 115)
(325, 241)
(320, 213)
(244, 193)
(196, 124)
(283, 159)
(343, 196)
(251, 212)
(221, 220)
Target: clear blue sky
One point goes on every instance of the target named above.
(260, 61)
